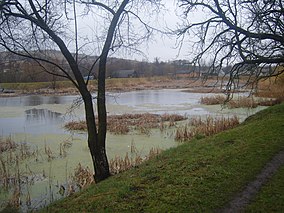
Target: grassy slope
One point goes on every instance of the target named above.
(200, 175)
(271, 196)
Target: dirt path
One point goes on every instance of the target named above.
(239, 203)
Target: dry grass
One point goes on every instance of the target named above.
(198, 128)
(122, 124)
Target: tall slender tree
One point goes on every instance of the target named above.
(35, 29)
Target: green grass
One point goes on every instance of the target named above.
(197, 176)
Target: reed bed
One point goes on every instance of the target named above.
(15, 174)
(11, 156)
(240, 102)
(76, 125)
(213, 100)
(123, 124)
(83, 176)
(199, 128)
(272, 87)
(243, 102)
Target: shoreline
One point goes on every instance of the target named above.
(124, 85)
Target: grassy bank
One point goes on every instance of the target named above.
(200, 175)
(271, 197)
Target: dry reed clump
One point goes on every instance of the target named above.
(7, 144)
(140, 122)
(82, 176)
(243, 102)
(76, 125)
(251, 102)
(213, 100)
(270, 102)
(119, 164)
(198, 128)
(122, 124)
(240, 102)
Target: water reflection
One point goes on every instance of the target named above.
(38, 100)
(37, 115)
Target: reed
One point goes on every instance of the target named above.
(121, 164)
(213, 100)
(4, 174)
(7, 144)
(63, 146)
(198, 127)
(240, 102)
(82, 177)
(76, 125)
(272, 87)
(48, 152)
(243, 102)
(142, 123)
(15, 200)
(16, 176)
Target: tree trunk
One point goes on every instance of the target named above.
(100, 161)
(96, 144)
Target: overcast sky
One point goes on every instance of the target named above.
(160, 46)
(165, 47)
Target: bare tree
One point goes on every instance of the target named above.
(247, 35)
(35, 29)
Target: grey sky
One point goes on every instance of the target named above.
(165, 47)
(160, 46)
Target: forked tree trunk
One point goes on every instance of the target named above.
(96, 137)
(96, 144)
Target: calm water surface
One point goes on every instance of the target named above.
(44, 114)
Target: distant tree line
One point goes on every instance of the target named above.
(14, 68)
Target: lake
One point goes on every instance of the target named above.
(37, 123)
